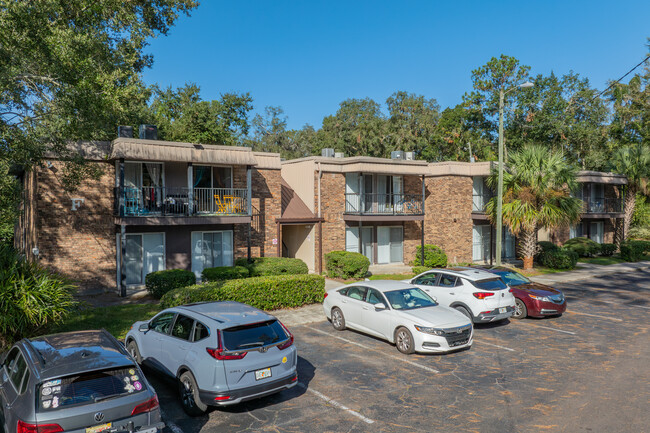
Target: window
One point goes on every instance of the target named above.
(357, 293)
(200, 332)
(447, 280)
(491, 284)
(426, 280)
(162, 323)
(182, 327)
(409, 299)
(211, 249)
(17, 370)
(144, 254)
(374, 297)
(255, 335)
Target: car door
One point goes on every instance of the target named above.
(176, 344)
(446, 290)
(377, 322)
(159, 328)
(14, 370)
(353, 303)
(429, 284)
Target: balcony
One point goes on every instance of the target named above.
(181, 202)
(602, 205)
(384, 204)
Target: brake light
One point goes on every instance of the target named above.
(218, 352)
(510, 290)
(147, 406)
(325, 295)
(289, 342)
(482, 295)
(222, 398)
(24, 427)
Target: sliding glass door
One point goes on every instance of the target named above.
(211, 249)
(144, 253)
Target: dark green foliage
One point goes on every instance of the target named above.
(434, 257)
(417, 270)
(607, 250)
(160, 282)
(31, 297)
(224, 273)
(585, 247)
(346, 264)
(543, 247)
(559, 259)
(267, 266)
(632, 251)
(265, 293)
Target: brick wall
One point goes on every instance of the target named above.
(332, 209)
(448, 216)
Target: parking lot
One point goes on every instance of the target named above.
(584, 371)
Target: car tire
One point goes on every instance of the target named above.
(520, 309)
(132, 348)
(465, 312)
(338, 320)
(404, 341)
(189, 392)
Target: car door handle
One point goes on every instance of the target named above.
(366, 308)
(451, 293)
(344, 301)
(182, 347)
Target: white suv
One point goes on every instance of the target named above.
(474, 292)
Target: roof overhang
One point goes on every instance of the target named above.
(601, 177)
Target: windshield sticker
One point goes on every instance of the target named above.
(129, 388)
(137, 386)
(134, 378)
(52, 383)
(46, 391)
(47, 404)
(55, 402)
(131, 371)
(127, 379)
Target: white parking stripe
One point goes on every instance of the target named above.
(336, 404)
(415, 364)
(549, 328)
(622, 305)
(494, 345)
(595, 315)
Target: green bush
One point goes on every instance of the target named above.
(640, 232)
(607, 249)
(434, 257)
(585, 247)
(265, 293)
(160, 282)
(224, 273)
(632, 251)
(559, 259)
(417, 270)
(346, 264)
(543, 247)
(31, 297)
(267, 266)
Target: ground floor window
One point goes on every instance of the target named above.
(381, 244)
(593, 230)
(481, 247)
(144, 253)
(211, 249)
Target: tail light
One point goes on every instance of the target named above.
(222, 398)
(324, 296)
(289, 342)
(218, 352)
(147, 406)
(24, 427)
(510, 290)
(482, 295)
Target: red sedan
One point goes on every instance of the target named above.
(531, 299)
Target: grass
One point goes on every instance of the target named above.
(601, 260)
(116, 319)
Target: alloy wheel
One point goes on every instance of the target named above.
(403, 341)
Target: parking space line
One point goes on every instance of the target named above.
(415, 364)
(615, 319)
(494, 345)
(549, 328)
(336, 404)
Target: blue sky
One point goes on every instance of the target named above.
(308, 56)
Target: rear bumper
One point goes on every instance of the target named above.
(249, 393)
(495, 315)
(146, 428)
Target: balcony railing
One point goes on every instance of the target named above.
(602, 205)
(384, 204)
(181, 201)
(479, 201)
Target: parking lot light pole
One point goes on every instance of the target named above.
(499, 221)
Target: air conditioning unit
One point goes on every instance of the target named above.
(410, 156)
(148, 132)
(339, 155)
(327, 152)
(124, 131)
(397, 154)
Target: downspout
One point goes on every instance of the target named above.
(320, 225)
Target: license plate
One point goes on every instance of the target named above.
(98, 428)
(503, 310)
(263, 374)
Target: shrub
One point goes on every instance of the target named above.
(641, 232)
(607, 249)
(434, 257)
(224, 273)
(543, 247)
(632, 251)
(559, 259)
(160, 282)
(265, 293)
(417, 270)
(346, 264)
(266, 266)
(31, 297)
(585, 247)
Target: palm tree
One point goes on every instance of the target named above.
(537, 193)
(634, 162)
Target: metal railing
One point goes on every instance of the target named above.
(479, 201)
(602, 205)
(384, 204)
(181, 201)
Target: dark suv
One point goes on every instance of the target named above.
(77, 382)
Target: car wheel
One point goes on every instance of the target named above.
(465, 312)
(133, 350)
(404, 341)
(520, 309)
(338, 321)
(189, 391)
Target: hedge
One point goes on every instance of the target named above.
(417, 270)
(222, 273)
(265, 293)
(559, 259)
(434, 257)
(346, 264)
(607, 249)
(585, 247)
(267, 266)
(160, 282)
(632, 251)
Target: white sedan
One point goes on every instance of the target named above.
(400, 313)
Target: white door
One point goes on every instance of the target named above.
(481, 243)
(596, 231)
(383, 245)
(352, 192)
(398, 193)
(376, 322)
(352, 241)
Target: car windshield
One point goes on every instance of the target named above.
(253, 335)
(89, 387)
(491, 284)
(512, 278)
(409, 299)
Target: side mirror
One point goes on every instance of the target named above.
(380, 307)
(144, 327)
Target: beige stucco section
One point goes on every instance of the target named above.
(300, 241)
(300, 176)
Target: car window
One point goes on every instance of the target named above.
(490, 284)
(182, 327)
(447, 280)
(200, 332)
(253, 335)
(426, 280)
(162, 323)
(357, 293)
(344, 292)
(17, 369)
(513, 278)
(374, 297)
(409, 299)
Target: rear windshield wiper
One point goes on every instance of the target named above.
(255, 344)
(107, 397)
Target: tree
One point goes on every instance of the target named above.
(537, 193)
(270, 131)
(412, 121)
(631, 102)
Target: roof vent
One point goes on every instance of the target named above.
(124, 131)
(148, 132)
(397, 154)
(327, 152)
(409, 156)
(339, 155)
